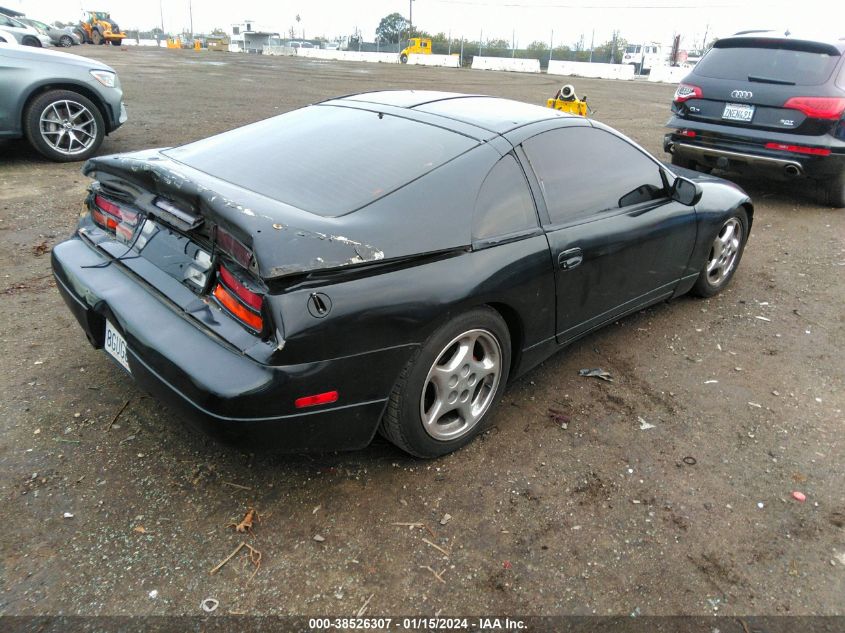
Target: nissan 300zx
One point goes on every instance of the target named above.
(451, 243)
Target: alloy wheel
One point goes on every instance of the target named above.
(724, 252)
(68, 127)
(461, 384)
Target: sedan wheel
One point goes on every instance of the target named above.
(725, 253)
(460, 385)
(66, 41)
(64, 126)
(444, 395)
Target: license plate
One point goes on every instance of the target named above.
(738, 112)
(116, 346)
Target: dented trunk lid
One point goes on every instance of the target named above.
(284, 240)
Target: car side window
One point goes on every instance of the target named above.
(504, 204)
(584, 171)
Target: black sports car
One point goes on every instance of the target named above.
(449, 243)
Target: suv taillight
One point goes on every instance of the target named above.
(114, 218)
(817, 107)
(241, 302)
(686, 91)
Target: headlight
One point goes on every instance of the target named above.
(105, 77)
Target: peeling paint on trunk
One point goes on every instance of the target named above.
(287, 249)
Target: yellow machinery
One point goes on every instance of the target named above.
(567, 101)
(417, 46)
(97, 27)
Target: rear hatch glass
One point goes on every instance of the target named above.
(327, 160)
(791, 63)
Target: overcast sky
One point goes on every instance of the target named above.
(637, 20)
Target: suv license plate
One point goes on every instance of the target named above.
(116, 346)
(738, 112)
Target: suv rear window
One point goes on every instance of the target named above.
(325, 159)
(788, 62)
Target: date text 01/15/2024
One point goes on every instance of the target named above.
(418, 624)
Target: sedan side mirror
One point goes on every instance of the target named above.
(686, 191)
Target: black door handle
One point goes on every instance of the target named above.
(570, 258)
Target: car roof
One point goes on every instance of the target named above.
(837, 42)
(493, 114)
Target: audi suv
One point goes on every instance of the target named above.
(766, 103)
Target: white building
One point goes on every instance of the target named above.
(248, 37)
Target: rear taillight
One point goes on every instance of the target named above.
(112, 217)
(799, 149)
(234, 247)
(687, 133)
(241, 302)
(685, 92)
(817, 107)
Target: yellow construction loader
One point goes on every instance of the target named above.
(97, 27)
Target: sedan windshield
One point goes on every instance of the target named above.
(325, 159)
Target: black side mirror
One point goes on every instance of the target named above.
(686, 191)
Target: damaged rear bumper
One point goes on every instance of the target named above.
(228, 394)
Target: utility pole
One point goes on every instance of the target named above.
(480, 42)
(191, 15)
(551, 44)
(161, 15)
(410, 19)
(592, 43)
(513, 44)
(450, 42)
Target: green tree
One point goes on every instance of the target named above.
(537, 46)
(392, 28)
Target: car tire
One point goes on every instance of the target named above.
(403, 58)
(31, 41)
(66, 41)
(833, 191)
(724, 255)
(49, 113)
(441, 401)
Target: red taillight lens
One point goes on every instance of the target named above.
(687, 91)
(799, 149)
(246, 295)
(240, 301)
(111, 216)
(817, 107)
(233, 246)
(687, 133)
(312, 401)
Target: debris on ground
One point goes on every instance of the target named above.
(799, 496)
(446, 553)
(254, 558)
(596, 373)
(68, 515)
(363, 608)
(246, 525)
(559, 417)
(434, 573)
(689, 460)
(644, 426)
(446, 518)
(40, 249)
(209, 605)
(319, 538)
(153, 594)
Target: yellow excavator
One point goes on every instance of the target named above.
(97, 27)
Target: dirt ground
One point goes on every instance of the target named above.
(693, 516)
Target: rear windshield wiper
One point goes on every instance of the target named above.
(770, 80)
